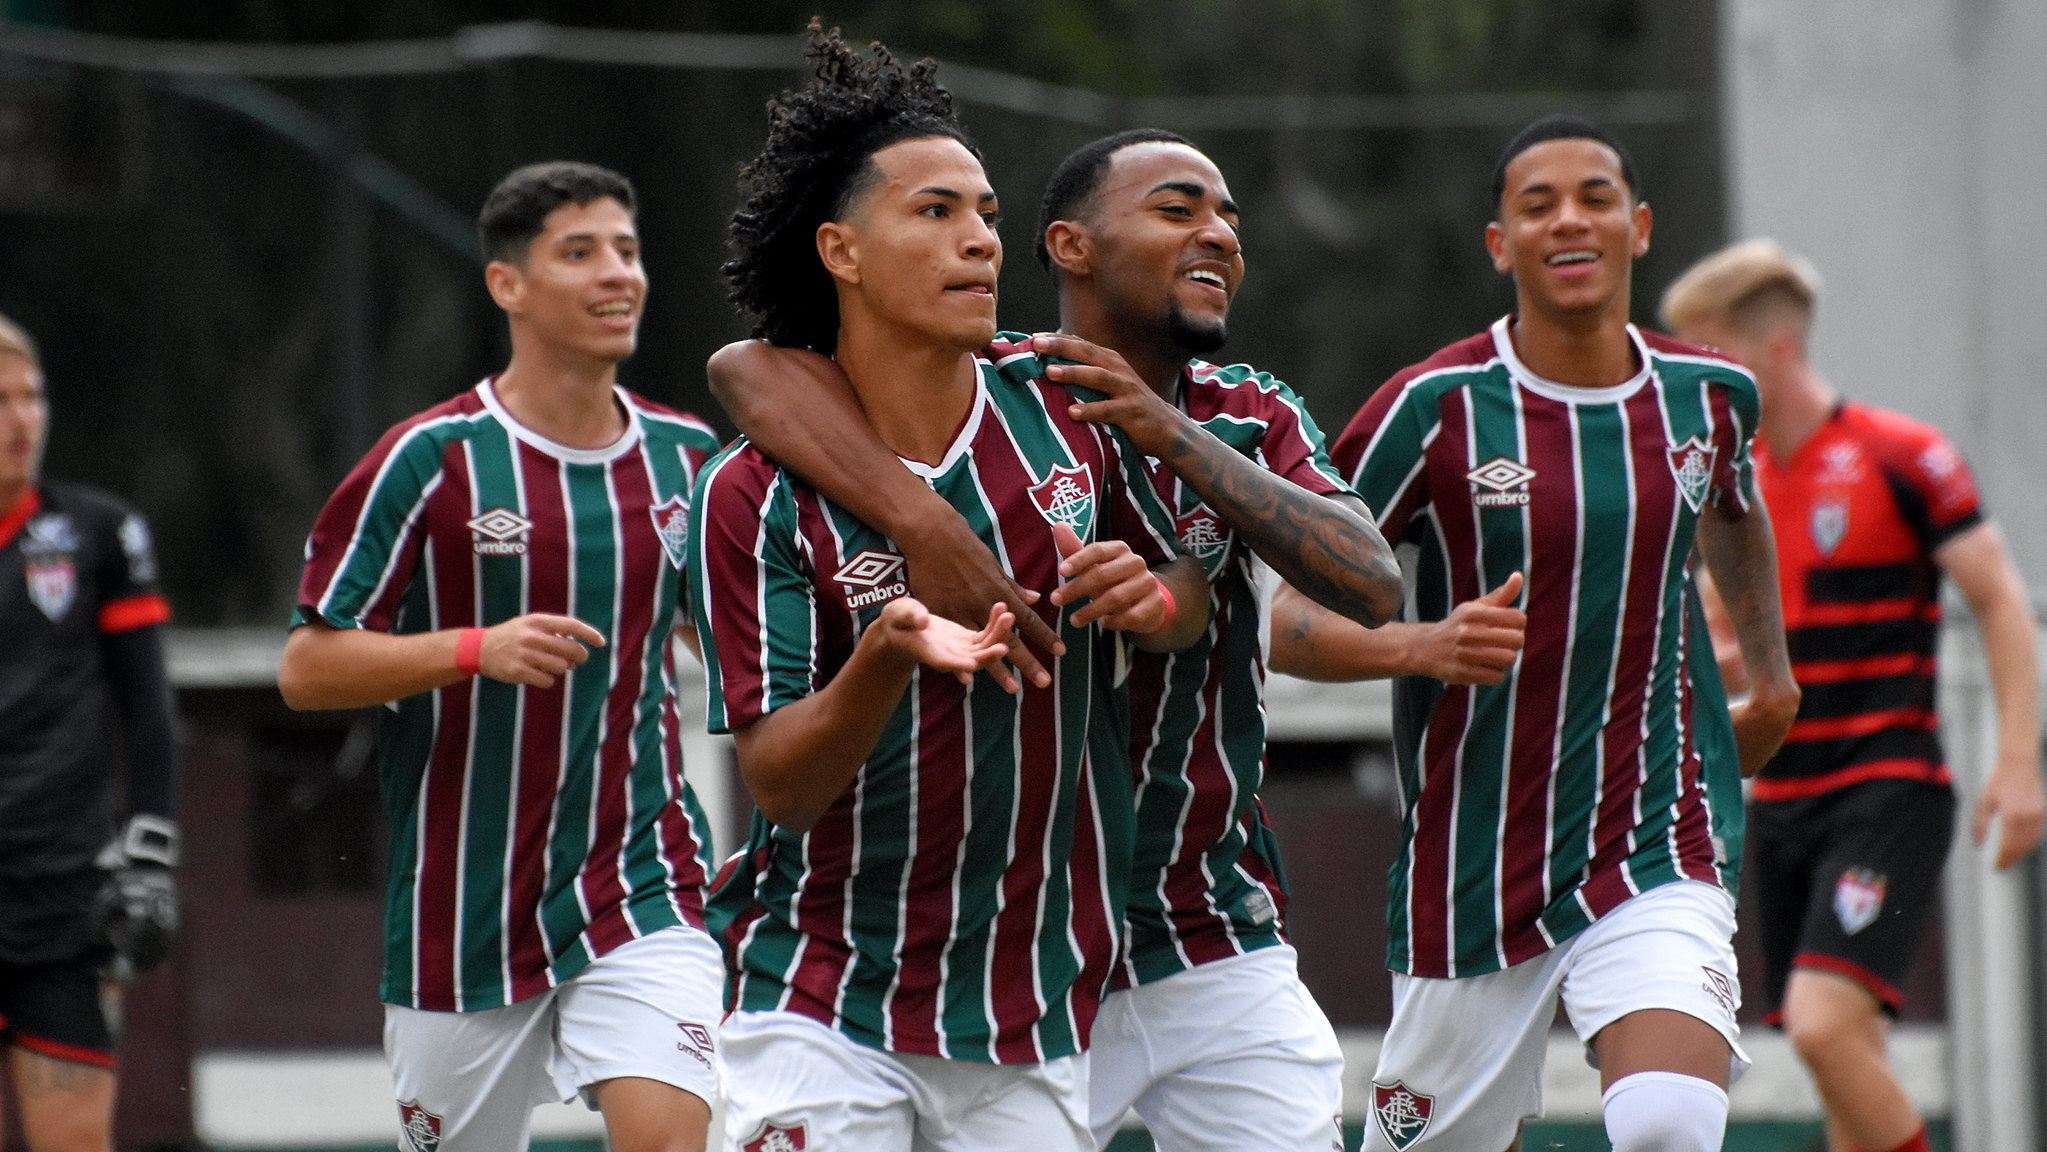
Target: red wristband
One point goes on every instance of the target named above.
(469, 652)
(1165, 594)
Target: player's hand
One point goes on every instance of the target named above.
(135, 910)
(1151, 423)
(536, 649)
(1111, 584)
(956, 576)
(914, 630)
(2012, 796)
(1761, 722)
(1480, 639)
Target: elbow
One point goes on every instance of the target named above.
(301, 691)
(786, 810)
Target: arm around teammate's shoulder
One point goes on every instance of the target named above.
(327, 667)
(1990, 582)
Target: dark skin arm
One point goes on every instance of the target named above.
(800, 409)
(1741, 555)
(1327, 547)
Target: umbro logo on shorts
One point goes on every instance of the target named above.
(697, 1041)
(774, 1139)
(1401, 1113)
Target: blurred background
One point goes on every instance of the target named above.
(241, 232)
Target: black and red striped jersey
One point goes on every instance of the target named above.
(1859, 509)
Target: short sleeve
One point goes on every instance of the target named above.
(755, 603)
(367, 540)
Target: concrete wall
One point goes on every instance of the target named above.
(1902, 146)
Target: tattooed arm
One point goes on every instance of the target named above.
(1327, 547)
(1742, 557)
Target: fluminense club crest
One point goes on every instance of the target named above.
(671, 524)
(1858, 899)
(1401, 1113)
(419, 1128)
(1203, 537)
(1067, 496)
(1691, 463)
(775, 1139)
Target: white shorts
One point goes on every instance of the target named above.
(1229, 1056)
(1461, 1066)
(792, 1083)
(468, 1081)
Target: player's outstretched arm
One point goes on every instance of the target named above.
(1741, 555)
(798, 759)
(1983, 570)
(1475, 644)
(1327, 547)
(1163, 609)
(328, 667)
(799, 409)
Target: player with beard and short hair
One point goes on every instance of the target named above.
(1851, 819)
(504, 572)
(929, 903)
(87, 902)
(1209, 1032)
(1558, 837)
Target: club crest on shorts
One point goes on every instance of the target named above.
(1829, 525)
(1858, 899)
(1401, 1113)
(671, 524)
(1691, 464)
(419, 1128)
(1067, 496)
(775, 1139)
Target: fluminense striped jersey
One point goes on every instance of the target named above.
(530, 830)
(963, 897)
(1206, 881)
(1537, 805)
(1859, 509)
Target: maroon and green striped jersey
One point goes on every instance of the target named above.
(1206, 881)
(530, 830)
(1534, 806)
(964, 896)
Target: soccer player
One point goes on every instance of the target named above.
(929, 905)
(83, 622)
(1557, 840)
(504, 571)
(1851, 820)
(1211, 1035)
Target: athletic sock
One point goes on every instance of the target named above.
(1665, 1112)
(1916, 1144)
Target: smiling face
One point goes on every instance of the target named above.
(916, 251)
(24, 418)
(581, 287)
(1161, 244)
(1569, 229)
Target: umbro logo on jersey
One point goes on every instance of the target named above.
(1401, 1113)
(1067, 496)
(870, 577)
(1505, 482)
(1691, 464)
(671, 524)
(500, 532)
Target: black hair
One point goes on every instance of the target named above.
(516, 210)
(1562, 127)
(1080, 175)
(814, 165)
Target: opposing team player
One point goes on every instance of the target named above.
(1140, 230)
(1557, 838)
(505, 571)
(1851, 819)
(84, 639)
(928, 907)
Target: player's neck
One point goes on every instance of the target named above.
(1155, 358)
(568, 400)
(1800, 403)
(1584, 352)
(915, 392)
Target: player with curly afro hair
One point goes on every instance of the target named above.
(815, 164)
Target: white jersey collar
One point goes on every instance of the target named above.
(1503, 343)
